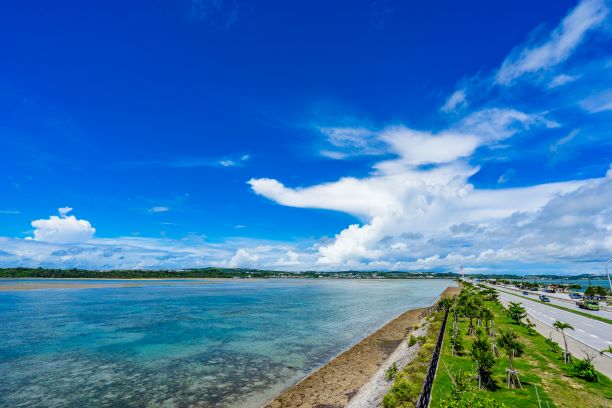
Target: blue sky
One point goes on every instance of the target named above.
(307, 135)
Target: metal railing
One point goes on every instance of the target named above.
(429, 310)
(425, 396)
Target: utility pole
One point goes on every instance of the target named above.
(608, 274)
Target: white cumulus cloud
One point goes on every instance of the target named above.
(243, 259)
(63, 229)
(402, 197)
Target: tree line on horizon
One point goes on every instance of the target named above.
(216, 272)
(22, 272)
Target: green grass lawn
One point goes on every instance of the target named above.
(537, 367)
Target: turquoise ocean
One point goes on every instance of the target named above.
(584, 283)
(229, 343)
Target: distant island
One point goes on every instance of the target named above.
(242, 273)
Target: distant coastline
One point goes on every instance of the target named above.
(211, 273)
(243, 273)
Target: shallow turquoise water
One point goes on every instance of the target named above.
(227, 344)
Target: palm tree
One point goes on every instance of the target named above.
(561, 326)
(484, 359)
(608, 350)
(489, 294)
(516, 312)
(470, 304)
(486, 315)
(508, 340)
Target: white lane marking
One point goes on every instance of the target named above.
(594, 336)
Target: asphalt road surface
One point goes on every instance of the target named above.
(593, 333)
(555, 301)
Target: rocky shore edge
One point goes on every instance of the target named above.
(341, 379)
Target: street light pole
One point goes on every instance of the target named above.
(608, 274)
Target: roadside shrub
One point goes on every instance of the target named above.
(460, 383)
(428, 349)
(529, 325)
(412, 340)
(583, 369)
(390, 400)
(403, 390)
(553, 346)
(391, 372)
(457, 344)
(595, 291)
(408, 382)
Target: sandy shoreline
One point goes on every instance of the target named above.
(335, 383)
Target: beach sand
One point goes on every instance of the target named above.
(334, 384)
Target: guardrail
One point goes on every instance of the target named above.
(425, 396)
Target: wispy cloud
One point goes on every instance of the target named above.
(192, 251)
(559, 44)
(599, 102)
(345, 142)
(158, 209)
(221, 13)
(561, 80)
(455, 101)
(506, 176)
(556, 146)
(10, 212)
(191, 162)
(235, 162)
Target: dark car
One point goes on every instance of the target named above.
(525, 293)
(575, 296)
(544, 298)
